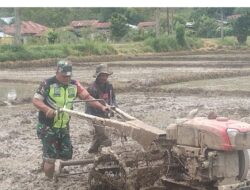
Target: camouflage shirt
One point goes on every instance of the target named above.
(44, 90)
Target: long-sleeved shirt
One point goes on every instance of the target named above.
(105, 92)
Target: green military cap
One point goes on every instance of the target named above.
(64, 67)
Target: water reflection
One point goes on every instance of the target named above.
(12, 95)
(12, 91)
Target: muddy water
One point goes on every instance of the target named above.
(21, 153)
(22, 90)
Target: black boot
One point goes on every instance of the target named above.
(94, 146)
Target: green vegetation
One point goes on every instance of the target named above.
(242, 28)
(59, 17)
(118, 27)
(31, 52)
(170, 43)
(231, 41)
(228, 41)
(163, 43)
(90, 47)
(178, 29)
(132, 48)
(180, 34)
(52, 36)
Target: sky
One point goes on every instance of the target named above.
(126, 3)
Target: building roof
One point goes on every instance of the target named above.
(233, 17)
(3, 35)
(132, 26)
(27, 28)
(146, 24)
(100, 25)
(83, 23)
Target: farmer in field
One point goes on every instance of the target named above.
(53, 127)
(101, 88)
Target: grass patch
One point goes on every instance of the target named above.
(34, 52)
(228, 41)
(93, 48)
(169, 43)
(231, 41)
(132, 48)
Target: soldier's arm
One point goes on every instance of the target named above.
(39, 104)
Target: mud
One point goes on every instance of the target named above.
(20, 153)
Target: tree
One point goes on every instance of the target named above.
(119, 26)
(6, 12)
(180, 34)
(221, 25)
(241, 28)
(17, 27)
(52, 37)
(106, 13)
(51, 17)
(206, 27)
(210, 12)
(157, 22)
(136, 15)
(243, 11)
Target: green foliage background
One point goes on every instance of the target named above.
(62, 41)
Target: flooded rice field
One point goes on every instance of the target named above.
(142, 91)
(226, 84)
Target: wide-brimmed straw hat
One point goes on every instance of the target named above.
(102, 68)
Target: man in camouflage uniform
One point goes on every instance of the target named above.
(101, 88)
(53, 127)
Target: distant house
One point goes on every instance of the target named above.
(146, 25)
(219, 22)
(96, 27)
(102, 25)
(5, 38)
(83, 23)
(4, 21)
(103, 29)
(28, 28)
(233, 17)
(132, 26)
(189, 25)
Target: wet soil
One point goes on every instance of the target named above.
(20, 153)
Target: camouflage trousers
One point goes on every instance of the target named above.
(56, 142)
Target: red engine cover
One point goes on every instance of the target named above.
(215, 134)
